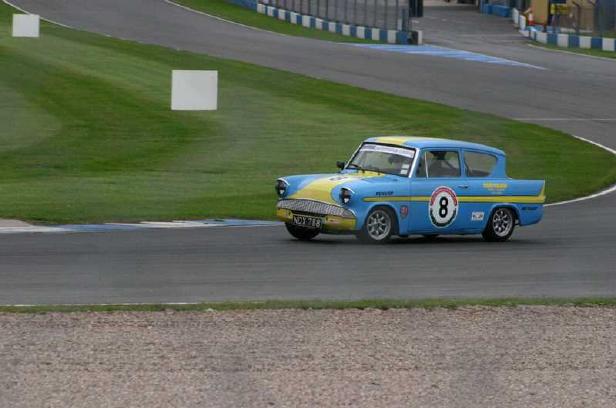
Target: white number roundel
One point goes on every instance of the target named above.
(443, 207)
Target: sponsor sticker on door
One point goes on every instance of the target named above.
(477, 216)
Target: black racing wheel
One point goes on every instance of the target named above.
(302, 233)
(500, 225)
(380, 225)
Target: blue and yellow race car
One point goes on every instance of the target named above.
(400, 185)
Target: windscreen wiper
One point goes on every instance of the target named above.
(357, 166)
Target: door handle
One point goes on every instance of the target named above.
(463, 186)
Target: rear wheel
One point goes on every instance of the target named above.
(500, 225)
(380, 225)
(302, 233)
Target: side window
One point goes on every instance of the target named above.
(479, 164)
(442, 163)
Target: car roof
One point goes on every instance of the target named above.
(432, 142)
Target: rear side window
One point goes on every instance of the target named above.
(479, 164)
(439, 163)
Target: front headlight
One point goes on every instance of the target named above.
(281, 187)
(345, 195)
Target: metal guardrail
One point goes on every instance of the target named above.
(385, 14)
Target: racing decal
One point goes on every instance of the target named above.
(495, 188)
(477, 216)
(340, 178)
(404, 211)
(443, 207)
(400, 151)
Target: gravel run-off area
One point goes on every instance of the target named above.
(525, 356)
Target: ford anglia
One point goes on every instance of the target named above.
(399, 185)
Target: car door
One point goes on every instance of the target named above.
(435, 187)
(478, 168)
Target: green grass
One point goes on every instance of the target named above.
(382, 304)
(87, 134)
(584, 51)
(232, 12)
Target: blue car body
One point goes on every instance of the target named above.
(422, 204)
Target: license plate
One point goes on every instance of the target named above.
(306, 221)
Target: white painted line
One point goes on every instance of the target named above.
(42, 18)
(600, 193)
(568, 119)
(146, 225)
(573, 53)
(221, 19)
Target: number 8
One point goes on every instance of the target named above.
(442, 211)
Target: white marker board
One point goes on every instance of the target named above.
(26, 25)
(194, 90)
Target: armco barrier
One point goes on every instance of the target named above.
(496, 9)
(365, 33)
(571, 40)
(565, 40)
(251, 4)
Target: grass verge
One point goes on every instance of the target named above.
(583, 51)
(382, 304)
(87, 134)
(228, 11)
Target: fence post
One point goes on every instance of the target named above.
(386, 14)
(376, 6)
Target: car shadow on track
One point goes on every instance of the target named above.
(417, 241)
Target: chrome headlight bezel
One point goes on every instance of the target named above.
(282, 186)
(346, 195)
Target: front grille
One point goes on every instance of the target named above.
(315, 207)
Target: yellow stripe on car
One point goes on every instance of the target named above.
(321, 189)
(400, 140)
(540, 199)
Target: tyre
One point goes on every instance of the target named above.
(302, 233)
(500, 225)
(380, 225)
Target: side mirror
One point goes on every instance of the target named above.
(340, 165)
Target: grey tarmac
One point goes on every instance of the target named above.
(571, 253)
(561, 257)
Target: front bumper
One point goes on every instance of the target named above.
(335, 218)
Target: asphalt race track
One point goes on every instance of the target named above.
(571, 253)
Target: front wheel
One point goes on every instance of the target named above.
(380, 225)
(302, 233)
(500, 225)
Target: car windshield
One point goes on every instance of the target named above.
(383, 159)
